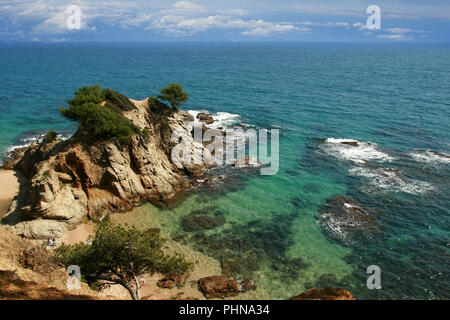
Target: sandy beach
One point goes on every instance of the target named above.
(80, 234)
(9, 186)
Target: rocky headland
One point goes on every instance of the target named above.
(67, 182)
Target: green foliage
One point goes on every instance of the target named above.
(157, 106)
(119, 255)
(145, 133)
(174, 94)
(51, 136)
(118, 100)
(91, 94)
(103, 122)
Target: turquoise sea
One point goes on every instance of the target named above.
(390, 104)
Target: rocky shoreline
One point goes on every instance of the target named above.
(65, 183)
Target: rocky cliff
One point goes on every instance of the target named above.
(65, 182)
(26, 272)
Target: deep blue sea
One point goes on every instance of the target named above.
(389, 104)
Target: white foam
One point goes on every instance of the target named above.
(389, 180)
(431, 157)
(349, 206)
(27, 141)
(359, 153)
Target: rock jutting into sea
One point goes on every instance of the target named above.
(83, 177)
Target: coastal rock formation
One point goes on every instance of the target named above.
(325, 294)
(68, 181)
(223, 287)
(205, 117)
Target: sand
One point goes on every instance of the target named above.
(80, 234)
(9, 187)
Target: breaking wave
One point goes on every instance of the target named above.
(390, 180)
(30, 139)
(354, 151)
(431, 157)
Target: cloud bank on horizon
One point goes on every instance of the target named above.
(291, 20)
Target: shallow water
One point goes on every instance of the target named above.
(393, 100)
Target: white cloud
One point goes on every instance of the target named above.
(325, 24)
(187, 6)
(393, 37)
(399, 30)
(47, 17)
(178, 25)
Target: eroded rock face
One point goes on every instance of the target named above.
(223, 287)
(67, 181)
(325, 294)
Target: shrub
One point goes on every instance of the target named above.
(51, 136)
(119, 100)
(145, 133)
(157, 106)
(120, 255)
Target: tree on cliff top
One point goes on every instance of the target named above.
(119, 255)
(102, 121)
(174, 94)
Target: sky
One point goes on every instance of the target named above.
(223, 20)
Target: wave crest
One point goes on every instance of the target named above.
(354, 151)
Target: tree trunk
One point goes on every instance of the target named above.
(138, 288)
(135, 295)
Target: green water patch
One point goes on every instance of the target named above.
(266, 230)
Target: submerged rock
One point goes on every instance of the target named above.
(200, 221)
(243, 249)
(324, 294)
(223, 287)
(344, 217)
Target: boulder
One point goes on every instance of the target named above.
(205, 117)
(223, 287)
(40, 229)
(324, 294)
